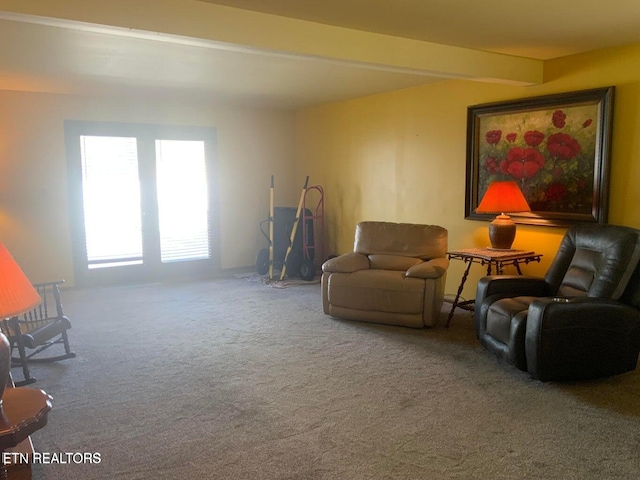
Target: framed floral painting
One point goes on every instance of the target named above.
(555, 147)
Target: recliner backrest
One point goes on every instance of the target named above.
(405, 239)
(594, 260)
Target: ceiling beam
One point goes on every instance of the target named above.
(217, 26)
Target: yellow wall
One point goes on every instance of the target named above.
(401, 156)
(398, 156)
(34, 220)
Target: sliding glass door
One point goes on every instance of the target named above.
(142, 201)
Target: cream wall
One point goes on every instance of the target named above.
(401, 156)
(34, 220)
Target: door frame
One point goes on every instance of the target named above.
(152, 269)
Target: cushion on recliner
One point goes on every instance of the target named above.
(405, 239)
(581, 273)
(392, 262)
(500, 314)
(377, 290)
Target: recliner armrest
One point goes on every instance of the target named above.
(581, 337)
(575, 312)
(346, 263)
(512, 286)
(434, 268)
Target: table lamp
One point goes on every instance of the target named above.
(499, 198)
(17, 295)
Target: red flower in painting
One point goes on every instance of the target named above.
(559, 118)
(511, 137)
(563, 146)
(493, 136)
(491, 164)
(522, 162)
(533, 138)
(586, 123)
(555, 192)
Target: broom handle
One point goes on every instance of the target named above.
(271, 230)
(294, 229)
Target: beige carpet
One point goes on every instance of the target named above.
(275, 282)
(229, 379)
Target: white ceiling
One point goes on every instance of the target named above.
(41, 53)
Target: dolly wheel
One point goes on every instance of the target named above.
(307, 270)
(262, 262)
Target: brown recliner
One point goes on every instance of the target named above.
(395, 275)
(581, 320)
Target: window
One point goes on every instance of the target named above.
(142, 200)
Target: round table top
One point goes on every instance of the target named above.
(24, 410)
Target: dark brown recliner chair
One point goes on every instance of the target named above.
(582, 320)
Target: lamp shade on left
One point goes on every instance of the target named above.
(17, 294)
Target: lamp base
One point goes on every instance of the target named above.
(502, 232)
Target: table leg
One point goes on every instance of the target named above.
(460, 288)
(517, 264)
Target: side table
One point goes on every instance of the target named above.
(24, 411)
(493, 259)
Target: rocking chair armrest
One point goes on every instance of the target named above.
(47, 284)
(47, 331)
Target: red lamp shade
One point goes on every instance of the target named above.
(17, 294)
(503, 197)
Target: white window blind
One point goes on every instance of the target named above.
(111, 195)
(181, 177)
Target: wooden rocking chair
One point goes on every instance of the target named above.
(38, 329)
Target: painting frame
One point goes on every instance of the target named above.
(557, 148)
